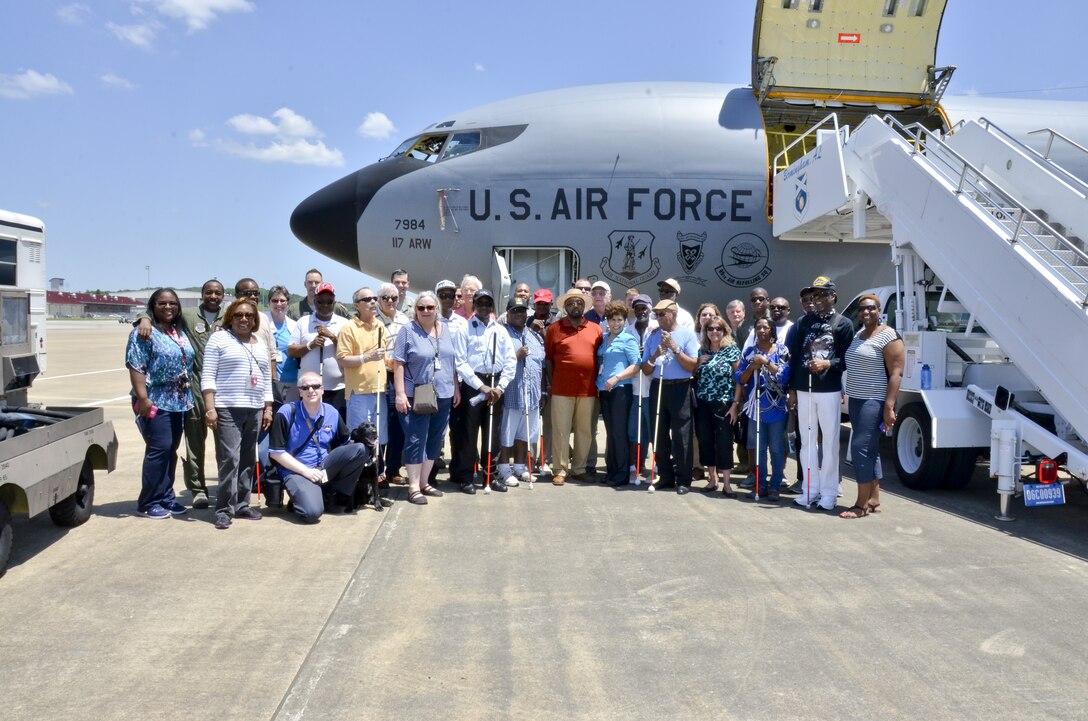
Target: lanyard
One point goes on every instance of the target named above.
(173, 335)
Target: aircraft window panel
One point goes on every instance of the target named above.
(815, 6)
(890, 8)
(917, 8)
(462, 144)
(428, 148)
(789, 4)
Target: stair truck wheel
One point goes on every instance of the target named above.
(961, 467)
(6, 537)
(919, 466)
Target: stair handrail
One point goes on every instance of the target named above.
(921, 136)
(1081, 184)
(833, 117)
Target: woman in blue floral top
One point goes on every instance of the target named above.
(715, 411)
(159, 368)
(767, 363)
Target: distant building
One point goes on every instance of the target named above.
(62, 304)
(56, 284)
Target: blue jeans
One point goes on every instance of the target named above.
(865, 419)
(772, 436)
(162, 434)
(423, 435)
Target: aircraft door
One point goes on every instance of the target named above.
(500, 281)
(552, 268)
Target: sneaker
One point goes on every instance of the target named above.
(155, 512)
(748, 482)
(504, 470)
(545, 470)
(200, 499)
(175, 509)
(521, 473)
(805, 502)
(248, 514)
(222, 521)
(798, 487)
(511, 480)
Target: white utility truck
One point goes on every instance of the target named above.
(47, 456)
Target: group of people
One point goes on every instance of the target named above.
(515, 387)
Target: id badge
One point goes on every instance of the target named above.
(438, 364)
(253, 381)
(279, 355)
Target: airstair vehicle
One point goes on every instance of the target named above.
(994, 220)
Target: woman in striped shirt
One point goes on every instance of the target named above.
(874, 365)
(237, 388)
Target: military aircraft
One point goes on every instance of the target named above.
(634, 183)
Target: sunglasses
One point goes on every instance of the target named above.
(390, 298)
(448, 296)
(758, 299)
(780, 307)
(425, 308)
(366, 299)
(278, 300)
(582, 288)
(255, 293)
(250, 316)
(715, 329)
(312, 387)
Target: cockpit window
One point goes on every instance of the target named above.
(428, 147)
(462, 143)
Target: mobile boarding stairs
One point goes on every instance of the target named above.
(996, 221)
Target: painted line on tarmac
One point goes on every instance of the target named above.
(104, 402)
(77, 375)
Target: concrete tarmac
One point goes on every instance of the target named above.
(581, 602)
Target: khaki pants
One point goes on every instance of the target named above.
(571, 413)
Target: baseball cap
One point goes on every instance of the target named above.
(483, 293)
(445, 285)
(543, 296)
(324, 288)
(601, 284)
(821, 283)
(670, 282)
(641, 298)
(519, 303)
(665, 305)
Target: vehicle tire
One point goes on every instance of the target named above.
(76, 508)
(961, 467)
(918, 465)
(7, 534)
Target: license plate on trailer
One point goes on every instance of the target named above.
(1044, 494)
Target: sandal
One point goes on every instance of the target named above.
(875, 508)
(854, 512)
(728, 493)
(431, 491)
(711, 489)
(417, 498)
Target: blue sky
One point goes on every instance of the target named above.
(180, 134)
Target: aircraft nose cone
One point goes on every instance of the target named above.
(327, 221)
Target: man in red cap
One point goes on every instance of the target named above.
(314, 343)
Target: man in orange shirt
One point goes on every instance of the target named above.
(570, 364)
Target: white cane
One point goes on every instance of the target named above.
(638, 437)
(657, 426)
(759, 418)
(490, 418)
(525, 402)
(809, 445)
(378, 401)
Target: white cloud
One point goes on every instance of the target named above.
(293, 139)
(197, 14)
(116, 81)
(197, 138)
(30, 84)
(298, 152)
(74, 14)
(376, 125)
(141, 35)
(479, 67)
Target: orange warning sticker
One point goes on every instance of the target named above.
(850, 38)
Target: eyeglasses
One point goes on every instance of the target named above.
(780, 307)
(390, 298)
(366, 299)
(425, 308)
(313, 387)
(277, 300)
(866, 308)
(715, 329)
(256, 293)
(823, 293)
(250, 316)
